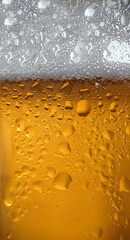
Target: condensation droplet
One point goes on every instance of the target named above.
(19, 124)
(108, 135)
(50, 172)
(8, 198)
(100, 103)
(38, 185)
(68, 105)
(60, 116)
(64, 147)
(128, 130)
(125, 19)
(124, 185)
(109, 95)
(29, 94)
(116, 216)
(62, 181)
(53, 111)
(68, 130)
(113, 107)
(58, 133)
(29, 131)
(83, 108)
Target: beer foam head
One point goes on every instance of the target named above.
(62, 39)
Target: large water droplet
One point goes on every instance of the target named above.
(83, 108)
(64, 147)
(69, 130)
(62, 181)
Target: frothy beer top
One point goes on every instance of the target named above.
(62, 39)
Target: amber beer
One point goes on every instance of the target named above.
(64, 160)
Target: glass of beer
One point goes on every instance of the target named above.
(64, 132)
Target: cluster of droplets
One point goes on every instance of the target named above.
(64, 39)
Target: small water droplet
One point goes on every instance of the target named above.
(128, 130)
(58, 133)
(88, 153)
(113, 106)
(100, 104)
(60, 116)
(19, 124)
(124, 185)
(116, 216)
(53, 111)
(29, 94)
(125, 19)
(108, 95)
(29, 131)
(108, 135)
(38, 185)
(68, 105)
(50, 172)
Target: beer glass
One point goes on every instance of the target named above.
(64, 128)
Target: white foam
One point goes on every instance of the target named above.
(64, 39)
(43, 4)
(7, 2)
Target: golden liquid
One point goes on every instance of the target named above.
(64, 160)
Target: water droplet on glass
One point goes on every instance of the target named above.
(64, 147)
(19, 124)
(124, 184)
(38, 185)
(125, 19)
(68, 105)
(50, 172)
(29, 131)
(108, 135)
(83, 108)
(62, 181)
(113, 107)
(68, 130)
